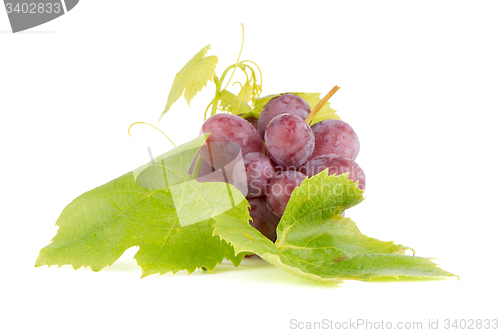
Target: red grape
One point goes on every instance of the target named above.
(259, 172)
(333, 136)
(285, 103)
(262, 218)
(280, 189)
(336, 164)
(289, 140)
(229, 135)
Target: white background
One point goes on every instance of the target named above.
(420, 85)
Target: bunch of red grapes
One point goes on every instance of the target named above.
(279, 151)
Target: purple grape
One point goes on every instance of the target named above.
(262, 218)
(289, 140)
(259, 172)
(336, 164)
(280, 189)
(229, 135)
(333, 136)
(285, 103)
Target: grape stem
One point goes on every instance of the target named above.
(321, 103)
(239, 55)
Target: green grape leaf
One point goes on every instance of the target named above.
(192, 78)
(245, 93)
(233, 103)
(139, 209)
(312, 99)
(315, 242)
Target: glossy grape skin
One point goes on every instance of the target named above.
(337, 165)
(262, 218)
(285, 103)
(289, 140)
(280, 189)
(229, 134)
(259, 172)
(334, 136)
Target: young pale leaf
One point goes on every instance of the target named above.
(137, 209)
(245, 93)
(312, 99)
(233, 103)
(315, 242)
(326, 111)
(192, 78)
